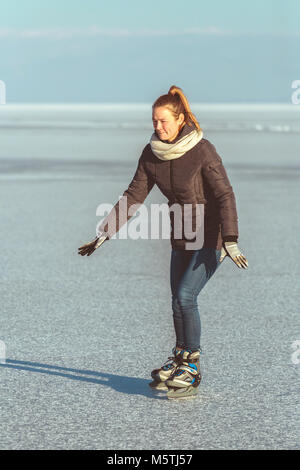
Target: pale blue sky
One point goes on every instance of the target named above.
(233, 15)
(130, 50)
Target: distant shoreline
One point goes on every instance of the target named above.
(237, 105)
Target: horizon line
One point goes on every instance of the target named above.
(142, 103)
(96, 31)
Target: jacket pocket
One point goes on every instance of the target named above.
(215, 163)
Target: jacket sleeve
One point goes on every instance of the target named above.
(137, 191)
(217, 178)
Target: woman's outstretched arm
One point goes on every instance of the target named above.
(137, 191)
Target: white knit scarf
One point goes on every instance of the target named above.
(169, 151)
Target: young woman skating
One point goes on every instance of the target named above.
(189, 172)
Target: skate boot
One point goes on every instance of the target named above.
(162, 374)
(186, 378)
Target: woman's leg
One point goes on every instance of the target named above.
(190, 270)
(179, 263)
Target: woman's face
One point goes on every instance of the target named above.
(164, 123)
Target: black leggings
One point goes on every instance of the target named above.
(189, 272)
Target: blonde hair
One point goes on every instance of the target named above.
(177, 103)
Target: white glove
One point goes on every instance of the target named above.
(100, 241)
(90, 247)
(231, 249)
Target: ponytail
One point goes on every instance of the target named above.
(177, 103)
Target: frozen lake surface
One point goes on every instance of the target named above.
(83, 334)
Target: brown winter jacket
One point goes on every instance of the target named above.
(198, 176)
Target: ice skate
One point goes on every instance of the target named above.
(186, 378)
(182, 393)
(163, 373)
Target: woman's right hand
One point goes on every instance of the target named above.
(90, 247)
(232, 250)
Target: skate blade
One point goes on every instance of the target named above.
(158, 386)
(182, 394)
(175, 385)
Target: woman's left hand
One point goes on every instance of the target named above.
(231, 249)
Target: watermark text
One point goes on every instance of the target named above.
(187, 222)
(296, 354)
(296, 93)
(2, 92)
(2, 352)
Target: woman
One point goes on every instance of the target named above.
(190, 173)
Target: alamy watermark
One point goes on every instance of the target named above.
(188, 222)
(296, 354)
(2, 92)
(296, 93)
(2, 352)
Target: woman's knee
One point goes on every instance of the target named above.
(186, 298)
(175, 305)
